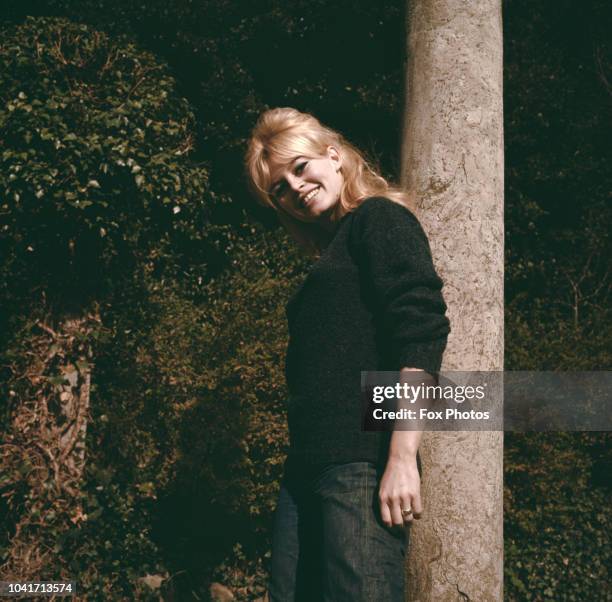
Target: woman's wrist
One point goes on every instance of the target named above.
(403, 456)
(404, 446)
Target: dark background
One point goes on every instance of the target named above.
(222, 297)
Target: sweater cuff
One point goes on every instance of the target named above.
(426, 355)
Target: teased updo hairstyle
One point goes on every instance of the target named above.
(282, 135)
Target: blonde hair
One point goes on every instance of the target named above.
(282, 135)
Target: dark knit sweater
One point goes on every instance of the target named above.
(371, 302)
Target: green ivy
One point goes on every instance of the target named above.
(94, 158)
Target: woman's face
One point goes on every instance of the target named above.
(308, 189)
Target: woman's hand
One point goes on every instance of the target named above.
(400, 489)
(400, 486)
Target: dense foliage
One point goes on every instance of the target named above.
(92, 176)
(557, 128)
(188, 431)
(126, 215)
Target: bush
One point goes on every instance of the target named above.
(189, 429)
(94, 176)
(556, 530)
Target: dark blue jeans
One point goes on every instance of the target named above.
(329, 544)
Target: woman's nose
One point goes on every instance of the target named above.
(295, 182)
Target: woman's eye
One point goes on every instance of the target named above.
(300, 167)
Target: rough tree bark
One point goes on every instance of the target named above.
(452, 160)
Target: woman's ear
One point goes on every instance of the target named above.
(334, 155)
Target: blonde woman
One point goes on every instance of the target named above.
(371, 301)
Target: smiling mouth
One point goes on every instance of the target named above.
(311, 195)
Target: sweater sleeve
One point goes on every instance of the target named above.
(397, 271)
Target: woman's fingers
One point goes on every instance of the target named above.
(385, 513)
(400, 493)
(390, 511)
(407, 510)
(396, 511)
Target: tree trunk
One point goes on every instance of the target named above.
(452, 160)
